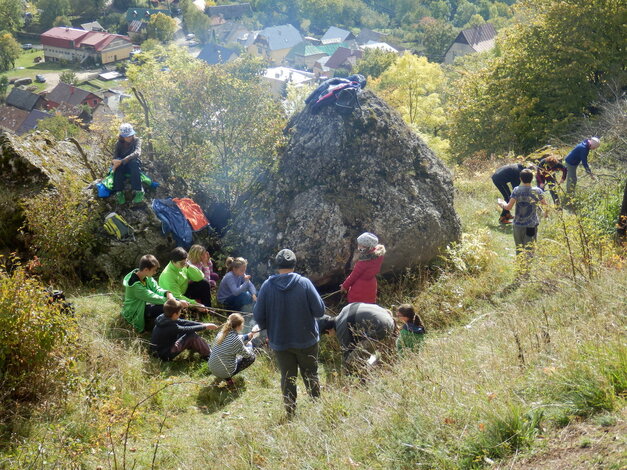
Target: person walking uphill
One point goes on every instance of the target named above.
(287, 306)
(361, 284)
(576, 156)
(128, 150)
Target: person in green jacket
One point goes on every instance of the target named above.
(143, 298)
(178, 274)
(413, 330)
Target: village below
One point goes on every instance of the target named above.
(433, 193)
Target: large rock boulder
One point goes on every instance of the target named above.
(338, 177)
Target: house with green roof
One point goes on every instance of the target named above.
(305, 55)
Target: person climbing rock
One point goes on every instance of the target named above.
(126, 161)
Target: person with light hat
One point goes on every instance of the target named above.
(361, 284)
(126, 161)
(576, 156)
(287, 307)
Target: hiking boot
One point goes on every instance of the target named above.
(119, 197)
(139, 197)
(504, 219)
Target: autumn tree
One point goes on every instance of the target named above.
(10, 50)
(551, 67)
(161, 27)
(216, 126)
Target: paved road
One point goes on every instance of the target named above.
(52, 78)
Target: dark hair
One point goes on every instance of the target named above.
(407, 311)
(148, 262)
(171, 306)
(178, 254)
(325, 323)
(526, 176)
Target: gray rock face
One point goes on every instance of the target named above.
(338, 177)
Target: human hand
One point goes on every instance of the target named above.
(211, 326)
(254, 298)
(184, 303)
(116, 164)
(343, 290)
(500, 202)
(247, 277)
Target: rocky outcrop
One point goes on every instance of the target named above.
(340, 176)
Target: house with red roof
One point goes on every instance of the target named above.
(78, 45)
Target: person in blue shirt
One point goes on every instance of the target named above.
(576, 156)
(287, 307)
(236, 291)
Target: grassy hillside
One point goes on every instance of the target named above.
(515, 364)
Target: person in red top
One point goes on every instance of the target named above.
(361, 285)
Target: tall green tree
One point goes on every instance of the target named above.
(11, 18)
(214, 125)
(161, 27)
(552, 65)
(10, 50)
(438, 36)
(50, 10)
(375, 62)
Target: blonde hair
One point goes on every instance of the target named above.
(234, 321)
(234, 263)
(196, 253)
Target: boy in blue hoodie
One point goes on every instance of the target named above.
(287, 307)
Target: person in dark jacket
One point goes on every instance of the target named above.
(128, 150)
(576, 156)
(287, 307)
(545, 176)
(361, 329)
(502, 178)
(171, 335)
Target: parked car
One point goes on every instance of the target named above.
(27, 46)
(40, 78)
(22, 81)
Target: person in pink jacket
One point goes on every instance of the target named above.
(361, 285)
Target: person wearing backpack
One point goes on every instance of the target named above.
(126, 161)
(143, 298)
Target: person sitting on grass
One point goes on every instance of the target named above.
(231, 351)
(143, 297)
(413, 331)
(171, 335)
(236, 290)
(178, 274)
(526, 219)
(128, 150)
(200, 257)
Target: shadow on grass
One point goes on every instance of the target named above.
(217, 395)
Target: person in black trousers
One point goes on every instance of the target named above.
(502, 178)
(126, 161)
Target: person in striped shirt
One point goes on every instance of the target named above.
(229, 354)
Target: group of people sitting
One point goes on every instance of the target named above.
(287, 312)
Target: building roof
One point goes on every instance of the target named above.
(335, 34)
(22, 99)
(11, 118)
(74, 38)
(280, 37)
(229, 32)
(480, 38)
(384, 46)
(366, 35)
(308, 50)
(286, 74)
(214, 54)
(31, 121)
(68, 94)
(144, 14)
(230, 12)
(92, 26)
(341, 55)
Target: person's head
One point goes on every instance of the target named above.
(552, 160)
(407, 314)
(326, 325)
(526, 176)
(126, 132)
(236, 265)
(198, 254)
(285, 260)
(235, 323)
(172, 309)
(148, 265)
(178, 256)
(594, 142)
(367, 241)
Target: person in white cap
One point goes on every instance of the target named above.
(361, 285)
(128, 150)
(576, 156)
